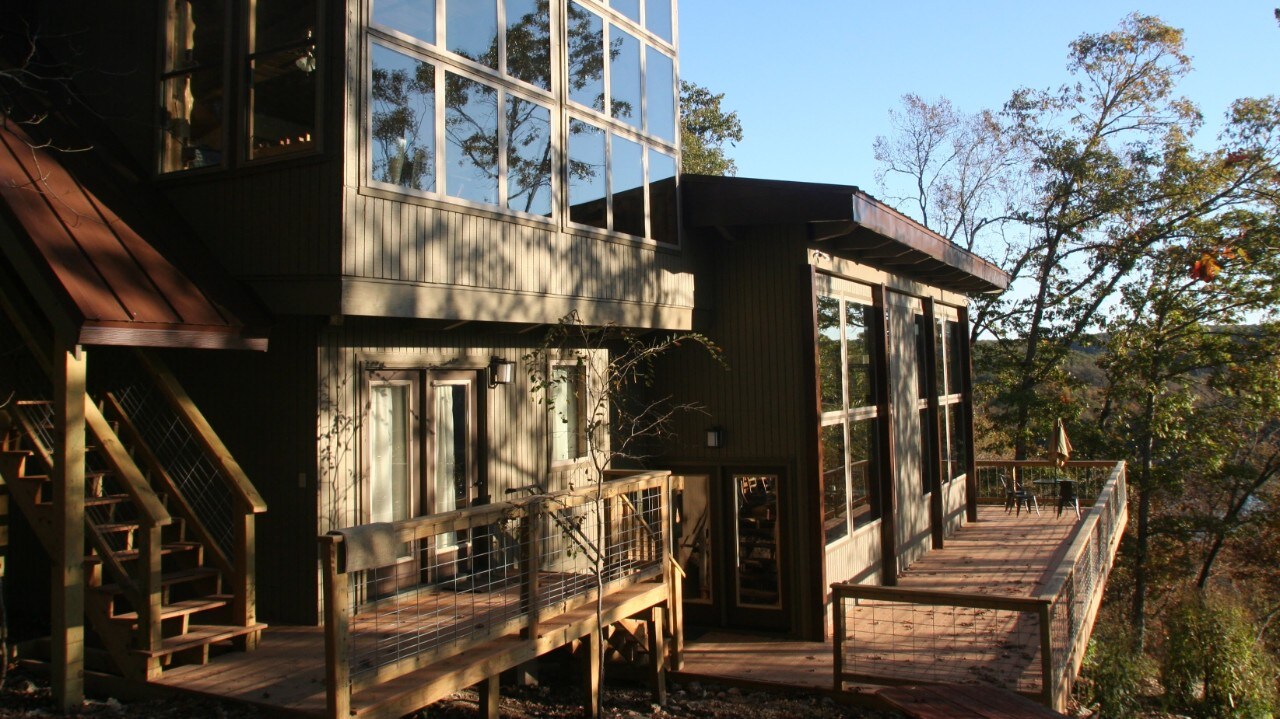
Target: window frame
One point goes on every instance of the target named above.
(850, 417)
(661, 230)
(582, 404)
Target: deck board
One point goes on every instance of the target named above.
(1006, 555)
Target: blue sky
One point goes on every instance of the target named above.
(811, 109)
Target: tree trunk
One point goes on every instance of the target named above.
(1144, 524)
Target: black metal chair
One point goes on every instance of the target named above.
(1016, 497)
(1068, 497)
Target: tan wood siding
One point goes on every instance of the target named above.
(514, 446)
(856, 558)
(441, 247)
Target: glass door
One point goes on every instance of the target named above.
(450, 478)
(757, 551)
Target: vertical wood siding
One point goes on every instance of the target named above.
(515, 424)
(388, 239)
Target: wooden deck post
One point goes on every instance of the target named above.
(245, 602)
(337, 608)
(837, 638)
(531, 559)
(490, 694)
(658, 654)
(593, 651)
(676, 602)
(1046, 655)
(149, 567)
(68, 649)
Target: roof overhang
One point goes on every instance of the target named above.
(845, 222)
(95, 276)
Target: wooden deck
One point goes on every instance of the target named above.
(1002, 555)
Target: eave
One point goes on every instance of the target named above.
(844, 222)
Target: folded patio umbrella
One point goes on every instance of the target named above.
(1059, 445)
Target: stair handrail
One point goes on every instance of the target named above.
(131, 477)
(144, 455)
(186, 410)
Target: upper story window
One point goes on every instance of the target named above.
(522, 124)
(250, 65)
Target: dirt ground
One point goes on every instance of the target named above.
(28, 696)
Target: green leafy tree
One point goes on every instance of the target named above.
(1190, 391)
(705, 129)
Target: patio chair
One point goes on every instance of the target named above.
(1016, 497)
(1068, 497)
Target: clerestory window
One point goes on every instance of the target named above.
(502, 104)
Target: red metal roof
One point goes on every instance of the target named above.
(107, 283)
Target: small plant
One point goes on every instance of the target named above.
(1115, 670)
(1213, 663)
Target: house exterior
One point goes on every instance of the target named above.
(414, 191)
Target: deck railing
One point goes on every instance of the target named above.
(404, 595)
(1033, 645)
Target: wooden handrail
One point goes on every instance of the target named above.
(153, 511)
(843, 590)
(142, 452)
(191, 416)
(1084, 534)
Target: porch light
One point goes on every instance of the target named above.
(501, 371)
(715, 437)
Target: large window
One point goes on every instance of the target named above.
(592, 143)
(249, 65)
(568, 412)
(949, 368)
(846, 350)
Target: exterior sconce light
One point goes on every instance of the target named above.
(715, 437)
(501, 371)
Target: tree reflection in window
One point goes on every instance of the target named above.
(403, 120)
(471, 139)
(529, 41)
(586, 57)
(528, 157)
(471, 30)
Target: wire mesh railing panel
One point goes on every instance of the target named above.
(449, 588)
(184, 458)
(903, 641)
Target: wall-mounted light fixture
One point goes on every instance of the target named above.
(501, 371)
(715, 437)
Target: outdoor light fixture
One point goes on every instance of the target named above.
(501, 371)
(715, 437)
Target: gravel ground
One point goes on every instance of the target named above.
(28, 696)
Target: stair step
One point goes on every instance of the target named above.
(168, 579)
(183, 608)
(106, 499)
(131, 554)
(111, 527)
(200, 635)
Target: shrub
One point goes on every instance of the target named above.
(1114, 671)
(1213, 664)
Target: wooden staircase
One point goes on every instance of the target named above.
(165, 582)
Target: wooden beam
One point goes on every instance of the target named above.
(337, 618)
(966, 420)
(592, 668)
(884, 431)
(68, 648)
(933, 436)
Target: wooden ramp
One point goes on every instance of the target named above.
(287, 673)
(963, 701)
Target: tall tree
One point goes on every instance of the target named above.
(959, 169)
(705, 129)
(1191, 392)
